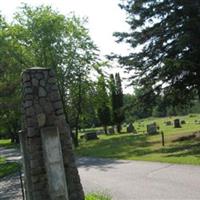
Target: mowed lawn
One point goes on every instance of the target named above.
(149, 148)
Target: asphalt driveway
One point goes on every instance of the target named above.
(127, 180)
(124, 180)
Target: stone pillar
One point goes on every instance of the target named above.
(49, 164)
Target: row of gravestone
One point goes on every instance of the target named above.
(177, 123)
(152, 128)
(93, 135)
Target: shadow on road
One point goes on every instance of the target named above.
(102, 164)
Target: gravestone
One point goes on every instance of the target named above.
(177, 123)
(48, 159)
(91, 136)
(152, 129)
(111, 131)
(99, 132)
(130, 128)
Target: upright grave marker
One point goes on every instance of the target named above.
(49, 164)
(177, 123)
(152, 129)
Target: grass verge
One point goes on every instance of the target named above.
(97, 196)
(7, 168)
(6, 143)
(149, 148)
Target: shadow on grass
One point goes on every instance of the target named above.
(136, 146)
(183, 150)
(117, 147)
(114, 147)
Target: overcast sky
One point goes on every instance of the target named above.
(104, 18)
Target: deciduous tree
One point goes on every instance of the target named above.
(103, 108)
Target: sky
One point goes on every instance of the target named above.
(104, 18)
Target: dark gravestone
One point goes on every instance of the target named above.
(91, 136)
(99, 132)
(183, 122)
(177, 123)
(152, 129)
(111, 131)
(131, 129)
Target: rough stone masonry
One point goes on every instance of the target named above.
(49, 163)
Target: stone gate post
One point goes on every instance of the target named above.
(49, 164)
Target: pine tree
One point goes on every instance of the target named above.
(112, 88)
(168, 32)
(116, 100)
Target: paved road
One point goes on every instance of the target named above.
(123, 180)
(128, 180)
(11, 154)
(10, 186)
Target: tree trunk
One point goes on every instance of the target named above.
(105, 129)
(12, 137)
(76, 142)
(119, 128)
(75, 135)
(16, 138)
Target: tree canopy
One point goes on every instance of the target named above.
(40, 36)
(167, 32)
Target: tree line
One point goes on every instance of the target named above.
(140, 106)
(43, 37)
(163, 63)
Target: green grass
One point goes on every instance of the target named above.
(7, 168)
(6, 143)
(97, 196)
(149, 148)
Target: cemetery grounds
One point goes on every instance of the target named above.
(182, 145)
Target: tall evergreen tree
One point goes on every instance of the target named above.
(167, 31)
(112, 88)
(116, 100)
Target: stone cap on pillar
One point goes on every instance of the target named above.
(38, 69)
